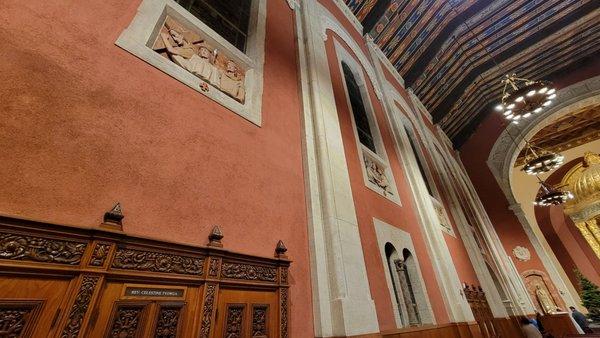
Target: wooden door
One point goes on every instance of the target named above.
(121, 314)
(31, 307)
(246, 314)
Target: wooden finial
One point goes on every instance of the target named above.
(215, 237)
(114, 217)
(280, 250)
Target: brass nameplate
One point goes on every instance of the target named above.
(152, 292)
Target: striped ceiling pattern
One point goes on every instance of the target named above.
(453, 53)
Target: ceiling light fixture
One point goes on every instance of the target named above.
(539, 161)
(524, 97)
(549, 195)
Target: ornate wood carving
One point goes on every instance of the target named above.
(127, 321)
(283, 307)
(248, 272)
(130, 259)
(38, 249)
(259, 321)
(283, 278)
(215, 237)
(114, 215)
(167, 322)
(100, 254)
(235, 320)
(80, 307)
(207, 311)
(17, 318)
(213, 267)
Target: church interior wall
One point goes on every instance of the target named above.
(86, 124)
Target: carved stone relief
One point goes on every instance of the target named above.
(235, 321)
(29, 248)
(129, 259)
(259, 321)
(100, 254)
(249, 272)
(167, 322)
(80, 307)
(190, 51)
(127, 321)
(376, 175)
(521, 253)
(207, 311)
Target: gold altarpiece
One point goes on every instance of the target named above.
(584, 181)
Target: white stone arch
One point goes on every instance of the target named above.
(505, 152)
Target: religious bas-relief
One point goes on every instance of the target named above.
(376, 175)
(191, 52)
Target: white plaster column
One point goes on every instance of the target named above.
(342, 299)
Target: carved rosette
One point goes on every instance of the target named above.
(80, 307)
(213, 267)
(259, 321)
(207, 311)
(235, 321)
(127, 321)
(167, 322)
(521, 253)
(283, 304)
(38, 249)
(100, 254)
(129, 259)
(248, 272)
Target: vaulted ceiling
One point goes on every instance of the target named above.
(453, 53)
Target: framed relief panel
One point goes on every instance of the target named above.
(226, 66)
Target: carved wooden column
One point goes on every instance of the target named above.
(80, 307)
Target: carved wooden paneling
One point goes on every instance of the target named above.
(283, 279)
(248, 272)
(100, 254)
(130, 259)
(260, 313)
(39, 249)
(213, 267)
(80, 307)
(127, 321)
(283, 307)
(234, 324)
(17, 318)
(167, 322)
(207, 310)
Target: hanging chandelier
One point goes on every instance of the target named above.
(551, 196)
(521, 97)
(539, 161)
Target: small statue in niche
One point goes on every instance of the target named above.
(231, 82)
(545, 300)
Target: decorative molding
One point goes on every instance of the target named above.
(38, 249)
(130, 259)
(207, 310)
(80, 306)
(100, 254)
(293, 4)
(283, 305)
(248, 272)
(521, 253)
(167, 322)
(349, 15)
(127, 321)
(234, 321)
(259, 320)
(17, 318)
(213, 266)
(283, 277)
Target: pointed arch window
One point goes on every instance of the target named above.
(365, 135)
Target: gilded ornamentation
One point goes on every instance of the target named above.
(79, 309)
(190, 51)
(168, 321)
(207, 311)
(235, 320)
(99, 255)
(283, 301)
(213, 267)
(522, 253)
(259, 321)
(127, 322)
(249, 272)
(376, 175)
(45, 250)
(129, 259)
